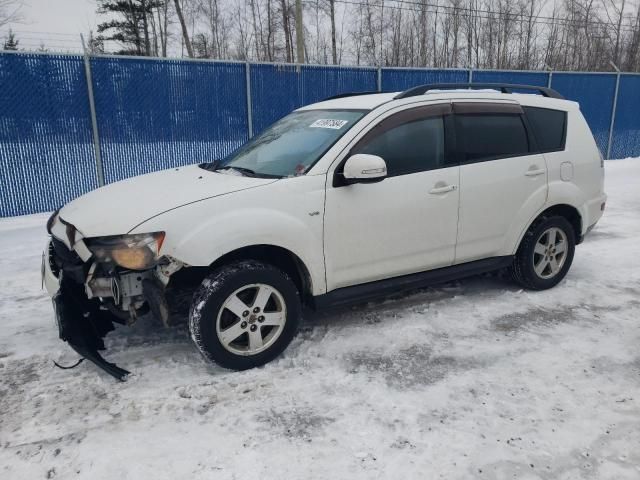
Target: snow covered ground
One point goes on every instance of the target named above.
(474, 379)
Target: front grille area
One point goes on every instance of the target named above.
(63, 255)
(55, 269)
(63, 259)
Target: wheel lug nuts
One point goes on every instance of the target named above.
(261, 318)
(243, 325)
(256, 310)
(253, 328)
(245, 313)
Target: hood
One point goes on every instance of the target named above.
(117, 208)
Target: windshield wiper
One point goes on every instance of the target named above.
(248, 172)
(211, 166)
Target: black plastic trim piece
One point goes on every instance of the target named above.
(83, 325)
(350, 94)
(380, 288)
(502, 87)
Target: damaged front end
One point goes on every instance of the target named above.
(96, 282)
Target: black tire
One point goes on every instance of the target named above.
(523, 271)
(211, 296)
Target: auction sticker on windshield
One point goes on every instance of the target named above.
(329, 123)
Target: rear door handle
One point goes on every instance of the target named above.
(535, 172)
(444, 189)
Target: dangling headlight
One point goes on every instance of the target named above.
(135, 252)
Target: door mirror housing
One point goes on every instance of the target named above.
(364, 168)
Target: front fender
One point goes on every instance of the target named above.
(286, 214)
(254, 226)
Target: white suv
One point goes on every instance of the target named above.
(340, 201)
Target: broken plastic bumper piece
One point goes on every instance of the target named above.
(83, 325)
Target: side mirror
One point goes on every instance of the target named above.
(364, 168)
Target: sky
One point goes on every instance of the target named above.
(57, 23)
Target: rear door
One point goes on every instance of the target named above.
(503, 183)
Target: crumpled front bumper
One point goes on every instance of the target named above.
(83, 325)
(50, 280)
(80, 320)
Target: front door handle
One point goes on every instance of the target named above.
(442, 189)
(534, 172)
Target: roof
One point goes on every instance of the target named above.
(371, 101)
(364, 102)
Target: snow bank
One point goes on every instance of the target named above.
(474, 379)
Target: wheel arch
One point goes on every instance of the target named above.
(571, 213)
(279, 257)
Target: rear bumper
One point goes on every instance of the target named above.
(591, 213)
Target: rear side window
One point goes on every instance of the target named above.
(549, 127)
(490, 136)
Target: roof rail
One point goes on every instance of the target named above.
(502, 87)
(350, 94)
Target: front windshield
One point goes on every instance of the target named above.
(293, 144)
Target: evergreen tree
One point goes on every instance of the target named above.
(95, 44)
(128, 24)
(11, 43)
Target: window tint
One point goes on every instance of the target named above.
(410, 147)
(548, 127)
(491, 136)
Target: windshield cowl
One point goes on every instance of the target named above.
(238, 171)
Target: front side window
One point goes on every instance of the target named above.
(407, 145)
(490, 136)
(292, 145)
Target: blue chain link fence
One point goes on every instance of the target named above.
(155, 113)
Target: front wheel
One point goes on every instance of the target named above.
(545, 253)
(244, 315)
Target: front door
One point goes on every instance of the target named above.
(405, 223)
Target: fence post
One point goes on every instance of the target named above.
(379, 78)
(249, 108)
(92, 110)
(613, 113)
(549, 79)
(470, 75)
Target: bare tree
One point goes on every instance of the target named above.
(183, 26)
(503, 34)
(10, 12)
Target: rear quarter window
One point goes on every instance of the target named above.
(549, 128)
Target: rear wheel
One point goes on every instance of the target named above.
(545, 253)
(244, 315)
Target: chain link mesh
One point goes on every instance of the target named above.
(157, 114)
(276, 90)
(626, 129)
(46, 149)
(154, 114)
(595, 93)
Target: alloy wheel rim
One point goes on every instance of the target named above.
(251, 319)
(550, 253)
